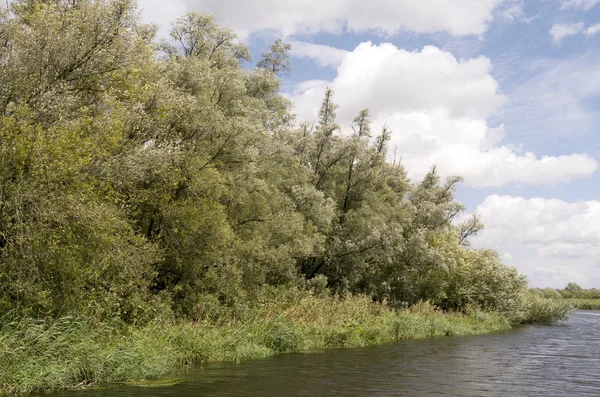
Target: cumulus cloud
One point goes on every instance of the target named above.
(323, 55)
(554, 227)
(458, 17)
(552, 241)
(391, 79)
(581, 4)
(559, 31)
(437, 107)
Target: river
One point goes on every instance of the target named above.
(562, 360)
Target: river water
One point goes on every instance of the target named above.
(561, 360)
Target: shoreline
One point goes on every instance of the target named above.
(71, 353)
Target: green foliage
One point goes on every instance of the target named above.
(47, 355)
(550, 293)
(276, 58)
(199, 36)
(485, 282)
(574, 291)
(573, 288)
(71, 353)
(160, 207)
(582, 299)
(142, 181)
(545, 311)
(584, 304)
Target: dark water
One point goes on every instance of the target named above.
(536, 361)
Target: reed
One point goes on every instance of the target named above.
(74, 353)
(584, 304)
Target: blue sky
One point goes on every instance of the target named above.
(503, 92)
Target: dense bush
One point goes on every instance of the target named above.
(140, 181)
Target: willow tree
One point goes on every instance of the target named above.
(139, 179)
(65, 94)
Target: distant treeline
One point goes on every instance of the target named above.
(571, 291)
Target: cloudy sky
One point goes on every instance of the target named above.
(503, 92)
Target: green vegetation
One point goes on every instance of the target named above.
(545, 311)
(584, 304)
(575, 295)
(151, 195)
(46, 355)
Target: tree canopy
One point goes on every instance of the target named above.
(139, 179)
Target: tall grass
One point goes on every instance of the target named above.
(584, 304)
(45, 355)
(48, 355)
(67, 353)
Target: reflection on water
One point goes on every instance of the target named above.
(533, 361)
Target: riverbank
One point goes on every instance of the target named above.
(584, 304)
(74, 353)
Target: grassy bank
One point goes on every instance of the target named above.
(49, 355)
(584, 304)
(42, 356)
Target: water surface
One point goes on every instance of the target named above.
(562, 360)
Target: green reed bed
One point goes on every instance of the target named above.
(584, 304)
(67, 353)
(47, 355)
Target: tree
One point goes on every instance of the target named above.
(199, 36)
(137, 181)
(66, 244)
(382, 141)
(573, 290)
(573, 287)
(469, 228)
(328, 153)
(362, 133)
(276, 59)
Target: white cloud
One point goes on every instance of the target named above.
(437, 107)
(323, 55)
(554, 227)
(552, 241)
(155, 11)
(559, 277)
(561, 30)
(592, 30)
(582, 4)
(390, 79)
(514, 11)
(458, 17)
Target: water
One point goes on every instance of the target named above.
(531, 361)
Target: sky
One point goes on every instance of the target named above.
(505, 93)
